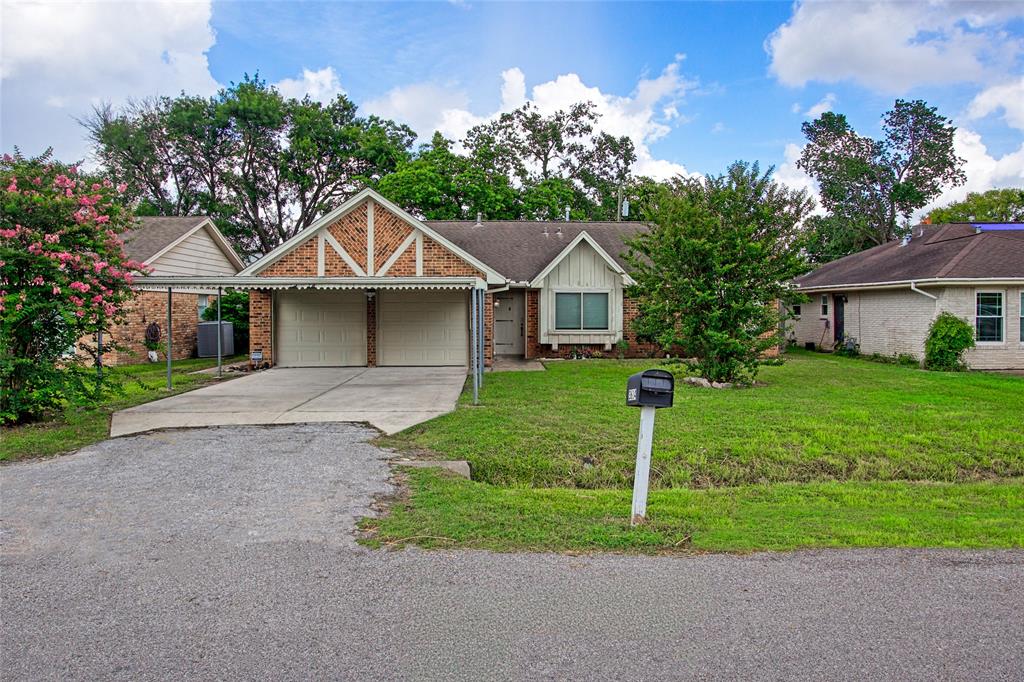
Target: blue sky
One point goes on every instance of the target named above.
(697, 85)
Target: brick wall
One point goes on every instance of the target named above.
(260, 324)
(147, 307)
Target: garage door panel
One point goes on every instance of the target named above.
(321, 329)
(423, 328)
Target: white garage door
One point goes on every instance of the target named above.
(422, 328)
(321, 329)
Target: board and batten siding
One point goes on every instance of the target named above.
(198, 254)
(583, 269)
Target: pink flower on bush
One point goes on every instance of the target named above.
(13, 187)
(77, 301)
(122, 187)
(97, 299)
(52, 238)
(38, 280)
(56, 290)
(79, 286)
(80, 313)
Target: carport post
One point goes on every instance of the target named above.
(169, 346)
(219, 335)
(474, 348)
(482, 334)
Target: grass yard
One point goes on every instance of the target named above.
(81, 426)
(829, 452)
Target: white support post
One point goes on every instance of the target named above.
(220, 334)
(474, 352)
(641, 478)
(170, 348)
(482, 333)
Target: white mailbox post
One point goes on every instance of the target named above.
(648, 390)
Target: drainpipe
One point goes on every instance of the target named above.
(913, 287)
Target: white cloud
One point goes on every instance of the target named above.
(892, 47)
(822, 106)
(645, 116)
(719, 127)
(322, 86)
(1009, 97)
(61, 59)
(984, 171)
(790, 175)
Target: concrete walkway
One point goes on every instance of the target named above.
(389, 398)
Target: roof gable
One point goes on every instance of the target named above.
(569, 248)
(156, 236)
(362, 267)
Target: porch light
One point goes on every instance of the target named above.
(370, 293)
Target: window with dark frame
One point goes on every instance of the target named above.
(796, 311)
(988, 318)
(581, 311)
(824, 305)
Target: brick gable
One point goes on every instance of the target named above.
(389, 231)
(351, 231)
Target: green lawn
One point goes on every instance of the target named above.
(78, 427)
(829, 452)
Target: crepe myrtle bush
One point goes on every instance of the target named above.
(64, 276)
(948, 338)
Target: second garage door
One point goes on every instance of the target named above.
(422, 328)
(321, 329)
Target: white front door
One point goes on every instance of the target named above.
(509, 323)
(321, 329)
(422, 328)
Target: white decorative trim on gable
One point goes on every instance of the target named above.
(318, 227)
(581, 237)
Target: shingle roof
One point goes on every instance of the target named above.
(519, 250)
(952, 251)
(154, 234)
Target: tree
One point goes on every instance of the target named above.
(262, 165)
(546, 155)
(713, 264)
(869, 186)
(993, 206)
(439, 184)
(63, 276)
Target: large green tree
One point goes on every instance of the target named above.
(871, 187)
(709, 271)
(439, 184)
(263, 165)
(993, 206)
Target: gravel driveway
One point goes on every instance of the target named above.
(228, 554)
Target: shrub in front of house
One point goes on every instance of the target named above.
(63, 276)
(949, 337)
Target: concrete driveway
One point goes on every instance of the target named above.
(389, 398)
(228, 554)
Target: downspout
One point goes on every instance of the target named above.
(913, 287)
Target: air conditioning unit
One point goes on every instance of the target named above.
(207, 340)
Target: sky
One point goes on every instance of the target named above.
(695, 85)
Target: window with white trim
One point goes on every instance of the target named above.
(581, 311)
(988, 318)
(203, 304)
(824, 305)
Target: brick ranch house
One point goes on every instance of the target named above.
(885, 298)
(370, 285)
(176, 247)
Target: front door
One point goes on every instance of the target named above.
(509, 323)
(838, 305)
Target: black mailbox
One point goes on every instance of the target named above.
(650, 388)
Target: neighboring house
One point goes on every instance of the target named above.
(370, 285)
(885, 298)
(186, 246)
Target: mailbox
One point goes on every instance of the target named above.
(650, 388)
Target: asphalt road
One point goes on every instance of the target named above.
(228, 554)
